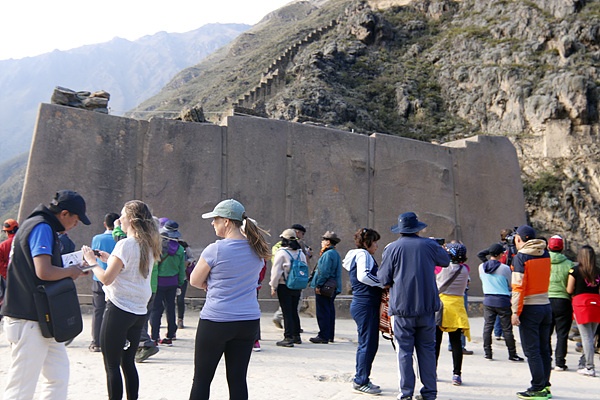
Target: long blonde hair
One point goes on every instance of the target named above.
(146, 231)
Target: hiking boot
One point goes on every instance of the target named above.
(287, 342)
(533, 395)
(456, 380)
(516, 358)
(180, 323)
(318, 340)
(297, 340)
(367, 388)
(488, 357)
(166, 342)
(587, 371)
(143, 353)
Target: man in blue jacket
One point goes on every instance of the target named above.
(407, 269)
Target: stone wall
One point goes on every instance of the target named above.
(283, 173)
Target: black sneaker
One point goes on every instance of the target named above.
(367, 388)
(297, 340)
(488, 357)
(318, 340)
(516, 358)
(288, 342)
(143, 353)
(533, 395)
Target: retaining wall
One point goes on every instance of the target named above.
(283, 172)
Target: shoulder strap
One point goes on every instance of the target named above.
(449, 281)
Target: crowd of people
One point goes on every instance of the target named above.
(141, 268)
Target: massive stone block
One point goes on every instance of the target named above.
(283, 172)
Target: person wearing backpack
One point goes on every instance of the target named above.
(327, 282)
(288, 275)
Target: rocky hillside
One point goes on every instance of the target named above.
(433, 70)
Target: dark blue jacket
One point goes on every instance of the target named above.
(408, 267)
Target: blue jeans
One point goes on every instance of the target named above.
(366, 316)
(416, 334)
(325, 316)
(587, 332)
(536, 322)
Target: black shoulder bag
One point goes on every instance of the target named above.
(59, 314)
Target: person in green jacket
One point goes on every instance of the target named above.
(560, 300)
(171, 276)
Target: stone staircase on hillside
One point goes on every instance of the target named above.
(273, 78)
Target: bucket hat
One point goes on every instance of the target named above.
(408, 223)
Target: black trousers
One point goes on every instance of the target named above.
(489, 317)
(562, 318)
(121, 329)
(457, 351)
(99, 303)
(213, 339)
(288, 300)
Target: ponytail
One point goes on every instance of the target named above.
(256, 239)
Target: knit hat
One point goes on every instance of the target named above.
(556, 243)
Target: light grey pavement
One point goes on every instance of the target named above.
(310, 371)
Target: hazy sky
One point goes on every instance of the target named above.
(33, 27)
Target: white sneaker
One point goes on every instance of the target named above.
(587, 371)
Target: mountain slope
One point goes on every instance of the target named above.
(433, 70)
(129, 71)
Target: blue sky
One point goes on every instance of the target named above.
(33, 27)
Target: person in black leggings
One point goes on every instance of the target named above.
(127, 286)
(228, 270)
(120, 336)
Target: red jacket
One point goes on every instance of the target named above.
(4, 253)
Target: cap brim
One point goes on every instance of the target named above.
(209, 215)
(84, 219)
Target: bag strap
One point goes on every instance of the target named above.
(291, 261)
(447, 284)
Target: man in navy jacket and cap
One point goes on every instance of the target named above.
(407, 269)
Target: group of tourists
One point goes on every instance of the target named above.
(142, 270)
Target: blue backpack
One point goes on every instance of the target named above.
(298, 277)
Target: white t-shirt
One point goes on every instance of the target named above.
(130, 291)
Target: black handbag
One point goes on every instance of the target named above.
(59, 314)
(329, 287)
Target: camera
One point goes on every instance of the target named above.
(440, 241)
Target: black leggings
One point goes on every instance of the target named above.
(457, 350)
(213, 339)
(118, 327)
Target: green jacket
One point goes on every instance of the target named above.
(559, 275)
(171, 265)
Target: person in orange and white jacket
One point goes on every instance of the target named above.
(531, 310)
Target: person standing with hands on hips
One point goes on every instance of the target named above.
(126, 283)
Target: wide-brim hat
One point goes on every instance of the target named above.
(170, 230)
(332, 237)
(408, 223)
